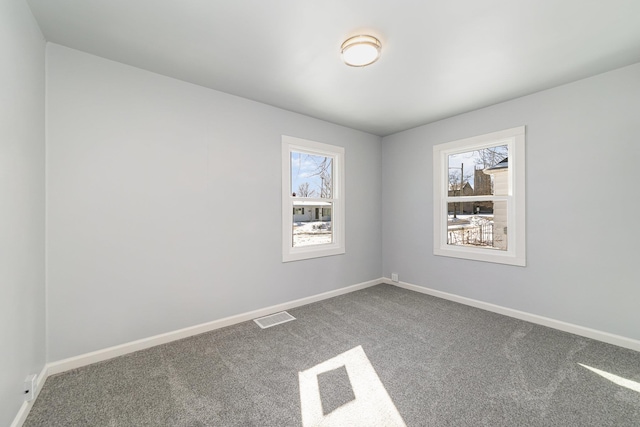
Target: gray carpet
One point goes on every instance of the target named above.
(441, 364)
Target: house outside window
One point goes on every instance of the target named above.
(313, 189)
(479, 198)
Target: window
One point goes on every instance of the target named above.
(313, 189)
(479, 198)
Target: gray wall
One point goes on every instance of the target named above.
(582, 205)
(22, 300)
(163, 205)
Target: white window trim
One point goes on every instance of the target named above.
(516, 245)
(337, 247)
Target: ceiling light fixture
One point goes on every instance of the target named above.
(360, 51)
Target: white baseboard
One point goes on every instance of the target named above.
(130, 347)
(122, 349)
(533, 318)
(26, 406)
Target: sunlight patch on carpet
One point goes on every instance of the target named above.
(631, 385)
(372, 405)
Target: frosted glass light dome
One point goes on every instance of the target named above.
(360, 51)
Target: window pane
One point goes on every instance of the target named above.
(478, 224)
(479, 172)
(311, 175)
(314, 226)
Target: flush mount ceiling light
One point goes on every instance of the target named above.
(360, 51)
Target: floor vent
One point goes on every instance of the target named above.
(274, 319)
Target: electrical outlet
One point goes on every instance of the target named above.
(30, 387)
(394, 277)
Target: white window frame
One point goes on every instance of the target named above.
(515, 254)
(337, 246)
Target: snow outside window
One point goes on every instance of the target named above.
(479, 198)
(312, 199)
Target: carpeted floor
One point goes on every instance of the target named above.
(383, 353)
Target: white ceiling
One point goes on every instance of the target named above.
(438, 59)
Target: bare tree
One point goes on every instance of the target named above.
(319, 167)
(326, 187)
(457, 184)
(323, 170)
(304, 191)
(489, 157)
